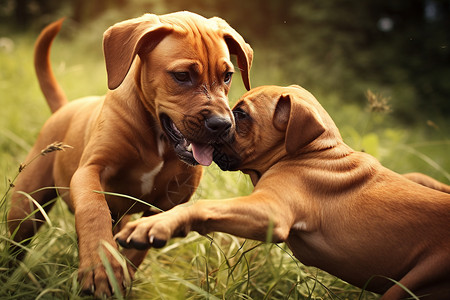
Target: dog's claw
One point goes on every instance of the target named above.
(88, 291)
(139, 245)
(123, 243)
(157, 243)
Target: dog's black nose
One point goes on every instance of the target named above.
(218, 125)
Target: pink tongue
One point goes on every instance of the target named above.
(203, 153)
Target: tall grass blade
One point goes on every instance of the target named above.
(109, 271)
(190, 285)
(131, 198)
(427, 159)
(364, 288)
(39, 207)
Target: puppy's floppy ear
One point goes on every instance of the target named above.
(299, 119)
(237, 46)
(124, 40)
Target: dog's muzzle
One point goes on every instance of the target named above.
(199, 147)
(226, 157)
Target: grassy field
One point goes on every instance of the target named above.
(216, 267)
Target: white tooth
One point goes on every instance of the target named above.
(189, 148)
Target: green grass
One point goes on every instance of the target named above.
(196, 267)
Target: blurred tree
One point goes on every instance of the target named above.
(345, 46)
(23, 12)
(342, 46)
(84, 10)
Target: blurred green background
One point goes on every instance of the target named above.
(341, 47)
(339, 50)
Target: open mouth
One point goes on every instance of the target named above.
(190, 152)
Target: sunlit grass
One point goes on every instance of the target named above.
(218, 266)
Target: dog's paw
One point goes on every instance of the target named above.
(141, 244)
(94, 279)
(143, 234)
(153, 231)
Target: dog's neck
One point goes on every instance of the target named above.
(261, 163)
(129, 97)
(130, 89)
(335, 170)
(331, 137)
(330, 143)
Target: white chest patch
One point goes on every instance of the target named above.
(148, 179)
(161, 146)
(300, 226)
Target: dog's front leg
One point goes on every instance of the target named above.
(94, 227)
(256, 217)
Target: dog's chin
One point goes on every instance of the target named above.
(224, 161)
(189, 152)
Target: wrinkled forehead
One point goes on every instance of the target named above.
(201, 33)
(198, 49)
(258, 102)
(187, 21)
(188, 46)
(187, 53)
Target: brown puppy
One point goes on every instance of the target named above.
(337, 209)
(169, 77)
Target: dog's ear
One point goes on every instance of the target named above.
(237, 46)
(124, 40)
(299, 119)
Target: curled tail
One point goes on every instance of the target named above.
(50, 88)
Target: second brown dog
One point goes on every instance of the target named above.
(336, 208)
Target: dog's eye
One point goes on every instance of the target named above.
(182, 77)
(239, 114)
(227, 78)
